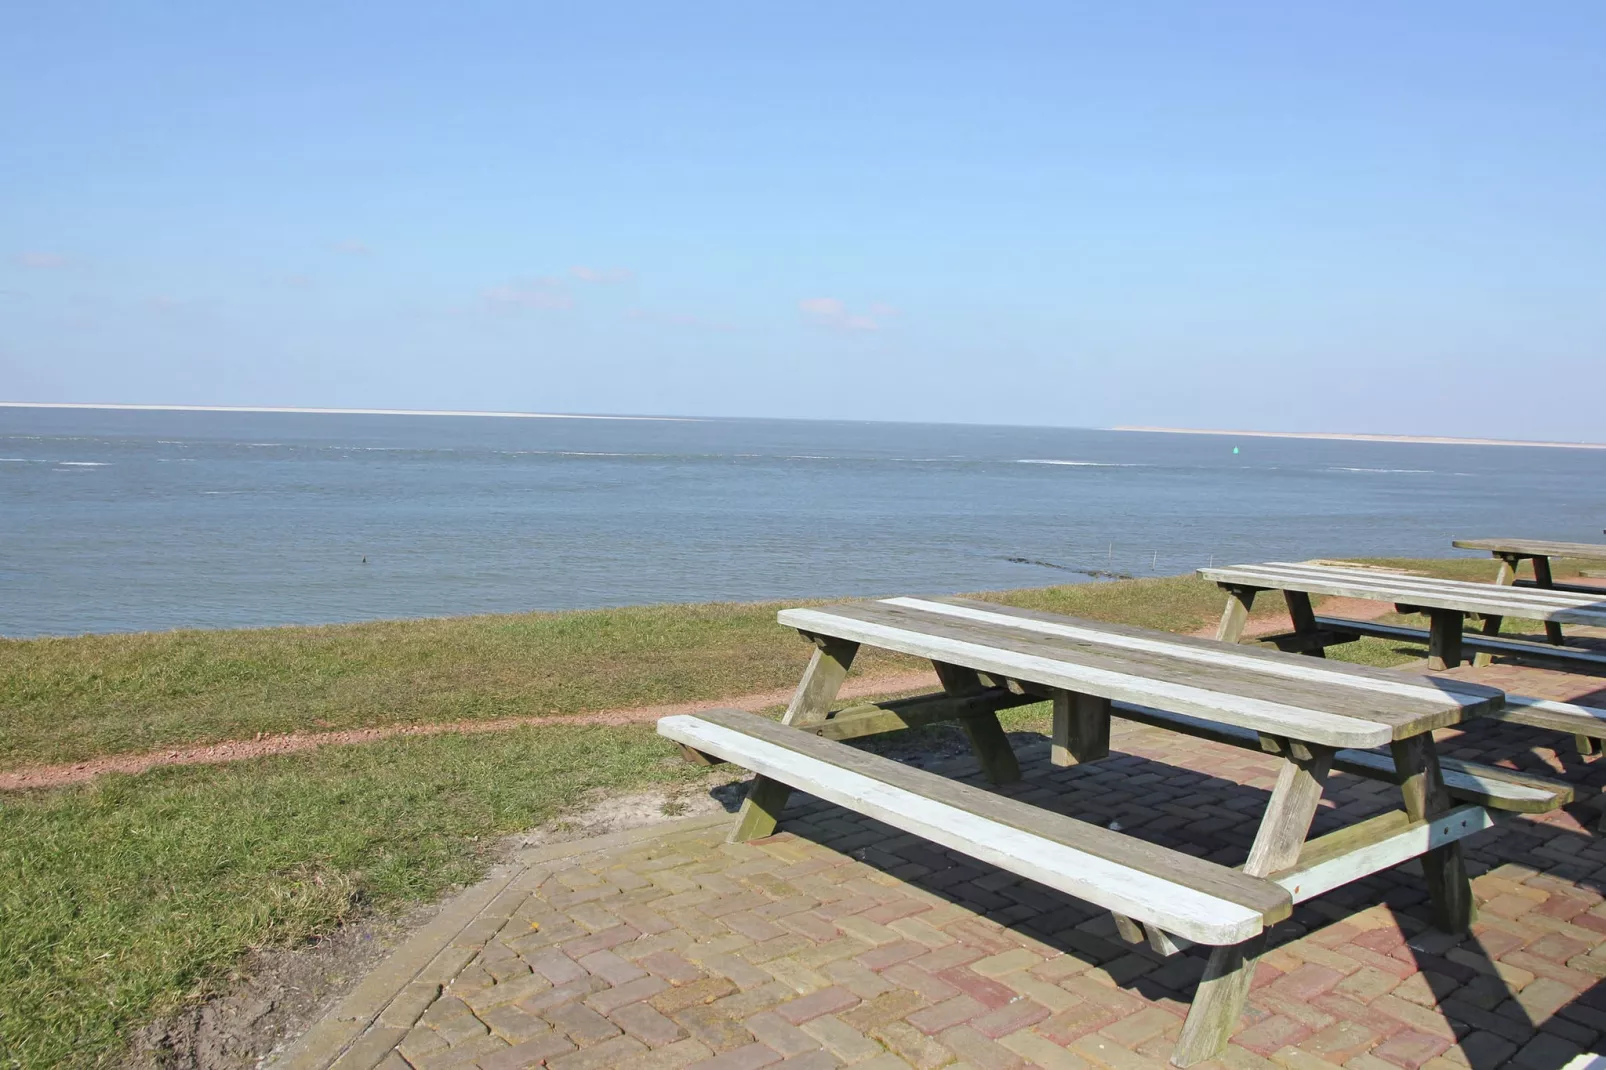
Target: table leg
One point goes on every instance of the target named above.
(1509, 563)
(1416, 764)
(828, 667)
(1444, 638)
(1240, 600)
(1081, 728)
(1542, 578)
(1304, 618)
(1491, 626)
(1219, 1001)
(986, 735)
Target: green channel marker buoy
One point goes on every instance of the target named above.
(1235, 449)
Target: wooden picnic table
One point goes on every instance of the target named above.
(1513, 552)
(1316, 716)
(1447, 603)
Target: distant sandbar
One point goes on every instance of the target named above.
(1439, 440)
(335, 412)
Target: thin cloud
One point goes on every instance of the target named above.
(678, 319)
(352, 247)
(833, 314)
(41, 261)
(601, 275)
(545, 293)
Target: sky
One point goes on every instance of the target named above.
(1369, 217)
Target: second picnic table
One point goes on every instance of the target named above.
(1315, 716)
(1446, 602)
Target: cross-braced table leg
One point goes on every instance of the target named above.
(1240, 600)
(828, 667)
(1219, 1002)
(1416, 764)
(986, 735)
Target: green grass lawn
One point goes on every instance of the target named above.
(126, 897)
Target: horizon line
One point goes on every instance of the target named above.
(314, 410)
(1344, 436)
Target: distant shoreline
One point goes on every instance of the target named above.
(336, 412)
(1436, 440)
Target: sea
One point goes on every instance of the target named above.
(117, 521)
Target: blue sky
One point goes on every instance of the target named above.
(1373, 217)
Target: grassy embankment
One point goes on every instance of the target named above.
(128, 895)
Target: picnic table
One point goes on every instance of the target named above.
(1447, 603)
(1513, 552)
(1316, 716)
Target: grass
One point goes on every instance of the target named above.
(128, 896)
(70, 699)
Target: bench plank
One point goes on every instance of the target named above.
(1549, 713)
(1199, 900)
(1470, 640)
(1233, 686)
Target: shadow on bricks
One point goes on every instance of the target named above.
(1359, 973)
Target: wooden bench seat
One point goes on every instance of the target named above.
(1343, 627)
(1198, 900)
(1485, 785)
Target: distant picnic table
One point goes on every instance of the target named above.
(1447, 603)
(1513, 552)
(1316, 716)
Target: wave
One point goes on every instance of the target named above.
(84, 464)
(1082, 464)
(1399, 471)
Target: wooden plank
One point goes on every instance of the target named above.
(1468, 597)
(1209, 652)
(1535, 547)
(1202, 901)
(1081, 729)
(1263, 689)
(1570, 717)
(1502, 645)
(1422, 786)
(895, 715)
(811, 702)
(1501, 789)
(1372, 846)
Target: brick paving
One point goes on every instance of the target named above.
(842, 942)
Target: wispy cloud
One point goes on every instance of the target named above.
(41, 261)
(601, 275)
(678, 319)
(352, 247)
(832, 313)
(547, 293)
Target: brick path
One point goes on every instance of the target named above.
(841, 941)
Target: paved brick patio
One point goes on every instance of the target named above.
(843, 942)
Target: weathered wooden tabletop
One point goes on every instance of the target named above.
(1331, 704)
(1535, 548)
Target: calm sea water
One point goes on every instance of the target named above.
(114, 521)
